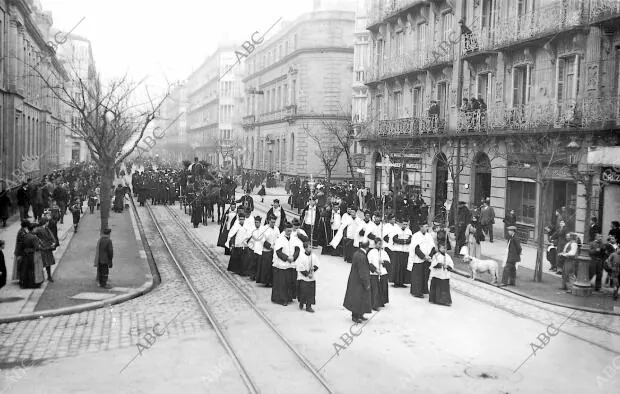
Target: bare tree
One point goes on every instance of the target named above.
(546, 156)
(328, 150)
(108, 118)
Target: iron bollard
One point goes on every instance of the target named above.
(582, 286)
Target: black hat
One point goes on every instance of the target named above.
(288, 225)
(257, 218)
(296, 222)
(276, 201)
(367, 212)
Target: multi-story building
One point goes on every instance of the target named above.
(76, 55)
(296, 81)
(215, 95)
(172, 143)
(544, 70)
(32, 118)
(361, 63)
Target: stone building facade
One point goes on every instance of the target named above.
(32, 119)
(544, 73)
(215, 98)
(295, 82)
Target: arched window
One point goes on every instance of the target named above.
(292, 147)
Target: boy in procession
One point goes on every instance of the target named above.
(237, 242)
(441, 266)
(378, 257)
(307, 264)
(401, 242)
(278, 213)
(264, 274)
(255, 249)
(287, 250)
(230, 217)
(420, 253)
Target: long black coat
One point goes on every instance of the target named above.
(3, 273)
(357, 297)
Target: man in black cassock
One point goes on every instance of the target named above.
(357, 297)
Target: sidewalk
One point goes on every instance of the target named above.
(548, 291)
(75, 286)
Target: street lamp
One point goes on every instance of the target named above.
(581, 286)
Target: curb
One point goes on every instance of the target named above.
(483, 284)
(515, 292)
(153, 279)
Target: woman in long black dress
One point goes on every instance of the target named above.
(3, 273)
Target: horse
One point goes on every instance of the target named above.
(227, 192)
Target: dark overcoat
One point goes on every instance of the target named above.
(357, 297)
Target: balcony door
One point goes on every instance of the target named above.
(443, 89)
(484, 87)
(422, 34)
(617, 79)
(488, 21)
(416, 98)
(567, 88)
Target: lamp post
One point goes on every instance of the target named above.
(312, 185)
(581, 286)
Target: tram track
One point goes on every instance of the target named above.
(265, 359)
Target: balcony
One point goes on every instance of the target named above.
(418, 60)
(378, 14)
(248, 120)
(585, 113)
(406, 127)
(601, 10)
(540, 22)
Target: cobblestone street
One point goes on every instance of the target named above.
(485, 332)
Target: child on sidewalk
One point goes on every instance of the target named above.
(76, 211)
(307, 265)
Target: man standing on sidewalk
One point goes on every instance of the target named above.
(513, 256)
(487, 218)
(103, 258)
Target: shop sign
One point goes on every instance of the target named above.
(611, 175)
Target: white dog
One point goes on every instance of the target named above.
(481, 266)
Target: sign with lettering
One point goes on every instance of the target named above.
(611, 175)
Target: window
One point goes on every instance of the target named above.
(292, 147)
(447, 24)
(484, 87)
(380, 56)
(398, 102)
(279, 99)
(359, 76)
(286, 48)
(294, 92)
(521, 82)
(416, 101)
(379, 108)
(283, 151)
(285, 94)
(617, 81)
(442, 97)
(522, 198)
(399, 43)
(295, 42)
(568, 78)
(422, 30)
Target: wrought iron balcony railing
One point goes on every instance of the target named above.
(417, 59)
(604, 9)
(382, 11)
(541, 21)
(248, 120)
(566, 114)
(406, 126)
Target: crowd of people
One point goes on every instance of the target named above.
(43, 205)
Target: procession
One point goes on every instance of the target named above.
(319, 196)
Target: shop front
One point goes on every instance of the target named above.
(610, 201)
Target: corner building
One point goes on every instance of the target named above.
(296, 81)
(542, 68)
(32, 119)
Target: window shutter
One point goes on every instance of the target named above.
(559, 92)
